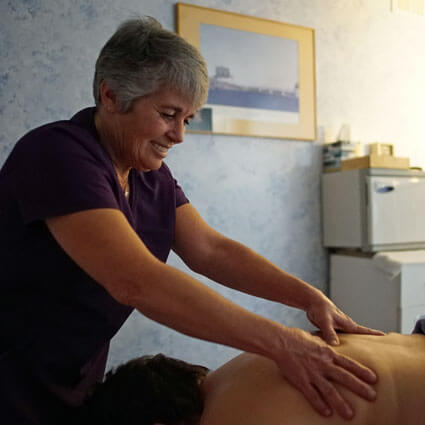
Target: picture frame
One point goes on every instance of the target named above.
(262, 73)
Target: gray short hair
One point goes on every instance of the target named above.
(142, 57)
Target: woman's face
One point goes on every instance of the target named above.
(141, 137)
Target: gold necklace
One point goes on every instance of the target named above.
(124, 185)
(126, 189)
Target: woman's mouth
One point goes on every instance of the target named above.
(160, 148)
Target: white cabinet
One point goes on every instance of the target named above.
(373, 209)
(372, 297)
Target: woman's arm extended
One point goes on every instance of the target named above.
(104, 245)
(232, 264)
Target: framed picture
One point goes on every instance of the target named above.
(262, 73)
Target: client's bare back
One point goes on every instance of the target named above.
(249, 389)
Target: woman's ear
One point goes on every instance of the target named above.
(108, 97)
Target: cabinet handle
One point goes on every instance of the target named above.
(385, 189)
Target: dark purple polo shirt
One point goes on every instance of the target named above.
(55, 321)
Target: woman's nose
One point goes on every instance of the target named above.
(176, 133)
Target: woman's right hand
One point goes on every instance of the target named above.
(314, 367)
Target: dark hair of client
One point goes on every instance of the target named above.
(146, 391)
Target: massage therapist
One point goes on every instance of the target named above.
(89, 213)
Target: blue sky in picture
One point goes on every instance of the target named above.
(253, 59)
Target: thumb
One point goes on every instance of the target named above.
(330, 336)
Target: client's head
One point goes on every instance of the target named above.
(146, 391)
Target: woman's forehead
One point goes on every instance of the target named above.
(174, 99)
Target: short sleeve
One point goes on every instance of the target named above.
(181, 198)
(61, 170)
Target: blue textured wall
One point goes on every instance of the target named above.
(262, 192)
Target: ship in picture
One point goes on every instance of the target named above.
(224, 91)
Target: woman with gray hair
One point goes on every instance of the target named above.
(89, 213)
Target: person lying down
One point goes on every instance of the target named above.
(249, 390)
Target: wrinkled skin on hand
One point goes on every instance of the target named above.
(313, 367)
(326, 316)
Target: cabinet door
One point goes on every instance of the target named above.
(412, 285)
(393, 206)
(408, 317)
(365, 292)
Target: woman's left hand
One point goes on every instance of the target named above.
(329, 318)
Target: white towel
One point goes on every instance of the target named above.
(391, 261)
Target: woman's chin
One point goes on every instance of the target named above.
(151, 166)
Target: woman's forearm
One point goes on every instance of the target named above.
(236, 266)
(179, 301)
(118, 261)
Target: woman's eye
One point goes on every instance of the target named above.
(167, 116)
(170, 117)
